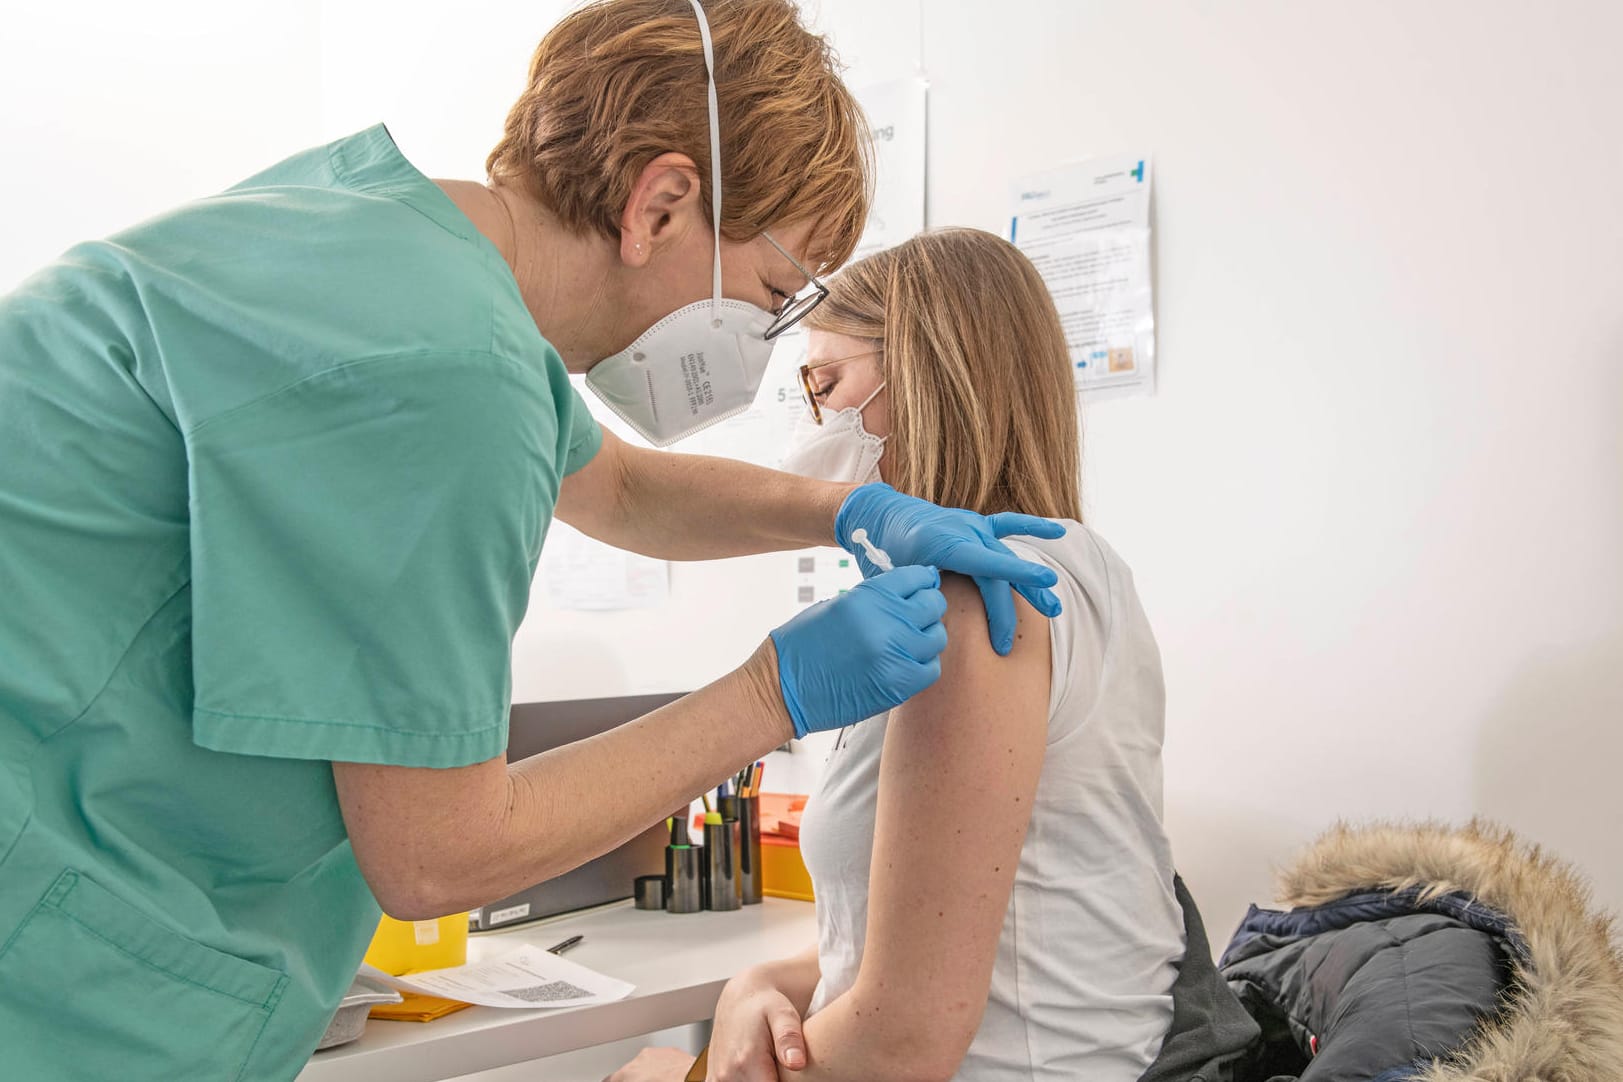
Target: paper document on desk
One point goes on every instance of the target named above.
(525, 976)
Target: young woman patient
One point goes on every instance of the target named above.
(994, 889)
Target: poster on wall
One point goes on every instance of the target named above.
(897, 119)
(1086, 227)
(583, 573)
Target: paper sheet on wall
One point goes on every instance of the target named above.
(1086, 227)
(524, 977)
(582, 573)
(896, 114)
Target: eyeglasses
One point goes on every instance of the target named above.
(809, 390)
(798, 307)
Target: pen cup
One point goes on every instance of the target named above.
(648, 891)
(722, 862)
(749, 850)
(687, 873)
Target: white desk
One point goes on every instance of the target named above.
(678, 963)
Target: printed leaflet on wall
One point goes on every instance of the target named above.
(1086, 227)
(581, 572)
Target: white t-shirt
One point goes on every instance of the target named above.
(1082, 985)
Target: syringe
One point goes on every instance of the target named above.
(880, 558)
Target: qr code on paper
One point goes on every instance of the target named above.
(547, 993)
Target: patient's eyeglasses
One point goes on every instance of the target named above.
(798, 307)
(811, 392)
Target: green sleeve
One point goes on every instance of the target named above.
(362, 547)
(585, 436)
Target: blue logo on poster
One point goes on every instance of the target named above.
(1138, 173)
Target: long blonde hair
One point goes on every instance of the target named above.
(982, 403)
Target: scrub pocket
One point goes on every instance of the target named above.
(92, 988)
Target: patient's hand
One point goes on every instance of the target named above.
(655, 1065)
(756, 1028)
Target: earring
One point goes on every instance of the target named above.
(639, 248)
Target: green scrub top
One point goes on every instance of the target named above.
(275, 470)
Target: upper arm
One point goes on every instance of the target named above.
(958, 778)
(592, 497)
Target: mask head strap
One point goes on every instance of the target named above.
(715, 153)
(871, 397)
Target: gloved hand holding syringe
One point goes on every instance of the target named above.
(884, 529)
(878, 645)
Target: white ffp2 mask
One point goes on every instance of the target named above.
(839, 449)
(701, 364)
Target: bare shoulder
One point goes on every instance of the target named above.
(969, 653)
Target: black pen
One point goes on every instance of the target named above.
(565, 945)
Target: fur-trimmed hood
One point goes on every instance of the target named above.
(1563, 1017)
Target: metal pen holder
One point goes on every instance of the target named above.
(685, 892)
(749, 828)
(722, 864)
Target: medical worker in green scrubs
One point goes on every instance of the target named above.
(275, 470)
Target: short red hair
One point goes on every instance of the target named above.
(620, 82)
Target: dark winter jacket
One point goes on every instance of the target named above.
(1413, 954)
(1373, 985)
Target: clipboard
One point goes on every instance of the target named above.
(700, 1068)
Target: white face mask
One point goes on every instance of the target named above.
(839, 449)
(702, 363)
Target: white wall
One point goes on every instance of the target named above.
(1375, 509)
(111, 112)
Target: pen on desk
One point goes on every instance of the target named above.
(572, 941)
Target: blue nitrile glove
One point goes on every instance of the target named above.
(914, 531)
(863, 652)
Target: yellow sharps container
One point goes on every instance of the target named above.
(410, 946)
